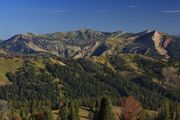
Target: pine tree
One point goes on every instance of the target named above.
(63, 113)
(48, 115)
(167, 110)
(105, 111)
(178, 111)
(74, 112)
(24, 113)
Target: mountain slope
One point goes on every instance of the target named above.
(117, 76)
(86, 42)
(150, 80)
(10, 63)
(7, 65)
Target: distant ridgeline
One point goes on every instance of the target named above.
(86, 42)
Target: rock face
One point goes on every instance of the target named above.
(155, 43)
(161, 42)
(86, 42)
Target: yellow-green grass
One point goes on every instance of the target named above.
(151, 114)
(117, 110)
(102, 60)
(11, 64)
(85, 114)
(55, 114)
(8, 65)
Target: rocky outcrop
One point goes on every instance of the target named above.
(161, 42)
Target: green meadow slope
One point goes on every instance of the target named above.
(10, 63)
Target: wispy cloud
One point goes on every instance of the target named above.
(132, 6)
(42, 10)
(171, 11)
(25, 9)
(60, 11)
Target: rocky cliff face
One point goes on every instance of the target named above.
(161, 42)
(85, 42)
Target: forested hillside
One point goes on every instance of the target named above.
(52, 82)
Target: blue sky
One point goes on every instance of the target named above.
(44, 16)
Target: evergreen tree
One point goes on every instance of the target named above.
(165, 111)
(63, 113)
(48, 115)
(178, 111)
(24, 113)
(105, 111)
(74, 112)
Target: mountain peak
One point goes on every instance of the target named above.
(85, 30)
(27, 34)
(148, 31)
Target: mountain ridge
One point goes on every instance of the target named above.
(87, 42)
